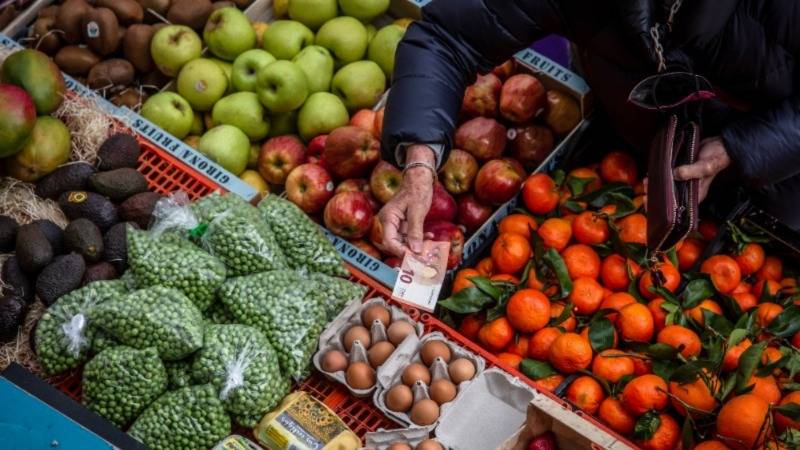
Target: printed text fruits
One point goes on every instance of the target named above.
(522, 98)
(459, 171)
(385, 181)
(482, 97)
(351, 152)
(348, 214)
(484, 138)
(279, 156)
(309, 186)
(498, 181)
(17, 116)
(446, 231)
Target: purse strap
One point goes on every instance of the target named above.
(655, 34)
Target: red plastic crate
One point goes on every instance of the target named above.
(166, 174)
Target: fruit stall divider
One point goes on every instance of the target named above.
(24, 18)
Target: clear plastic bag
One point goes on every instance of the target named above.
(334, 293)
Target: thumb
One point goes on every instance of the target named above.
(416, 220)
(700, 169)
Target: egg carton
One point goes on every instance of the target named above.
(409, 353)
(383, 439)
(332, 338)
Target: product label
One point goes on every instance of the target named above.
(92, 29)
(304, 425)
(77, 197)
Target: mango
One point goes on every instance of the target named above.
(33, 71)
(46, 149)
(17, 116)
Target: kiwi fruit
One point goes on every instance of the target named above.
(136, 46)
(222, 4)
(192, 13)
(158, 6)
(100, 29)
(69, 17)
(7, 14)
(155, 80)
(43, 39)
(111, 72)
(133, 98)
(49, 11)
(242, 4)
(128, 12)
(76, 60)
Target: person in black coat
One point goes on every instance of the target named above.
(746, 48)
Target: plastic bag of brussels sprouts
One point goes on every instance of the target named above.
(189, 418)
(284, 305)
(121, 381)
(63, 335)
(157, 317)
(238, 237)
(303, 243)
(240, 362)
(334, 293)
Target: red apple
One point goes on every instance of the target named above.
(498, 181)
(393, 261)
(484, 138)
(376, 232)
(385, 181)
(443, 205)
(359, 185)
(279, 156)
(367, 248)
(309, 186)
(446, 231)
(531, 144)
(563, 112)
(546, 441)
(522, 98)
(364, 118)
(505, 70)
(315, 148)
(459, 171)
(482, 97)
(351, 152)
(472, 213)
(348, 214)
(379, 123)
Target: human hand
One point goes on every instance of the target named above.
(403, 217)
(712, 159)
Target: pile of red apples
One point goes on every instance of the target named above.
(509, 124)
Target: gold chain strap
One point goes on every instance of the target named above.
(656, 35)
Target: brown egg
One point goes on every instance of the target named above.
(434, 349)
(378, 353)
(443, 391)
(414, 372)
(461, 370)
(356, 333)
(429, 444)
(425, 412)
(399, 446)
(399, 398)
(375, 312)
(398, 331)
(334, 361)
(360, 376)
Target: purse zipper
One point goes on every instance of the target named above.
(671, 131)
(692, 194)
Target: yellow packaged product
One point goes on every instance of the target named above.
(301, 422)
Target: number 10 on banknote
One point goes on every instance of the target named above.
(421, 276)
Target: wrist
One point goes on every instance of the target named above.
(420, 153)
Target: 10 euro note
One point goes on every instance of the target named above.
(421, 276)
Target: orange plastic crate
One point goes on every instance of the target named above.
(166, 174)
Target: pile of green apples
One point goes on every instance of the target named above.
(301, 75)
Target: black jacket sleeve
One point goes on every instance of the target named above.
(440, 55)
(765, 145)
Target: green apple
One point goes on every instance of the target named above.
(282, 86)
(228, 69)
(173, 46)
(285, 38)
(202, 82)
(246, 68)
(283, 124)
(345, 37)
(228, 33)
(226, 145)
(383, 46)
(359, 84)
(312, 13)
(322, 113)
(197, 124)
(364, 10)
(317, 64)
(245, 112)
(169, 111)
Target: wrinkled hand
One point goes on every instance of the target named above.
(403, 217)
(712, 159)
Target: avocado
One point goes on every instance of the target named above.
(139, 208)
(118, 151)
(60, 277)
(88, 205)
(54, 234)
(115, 245)
(83, 237)
(118, 184)
(68, 177)
(8, 233)
(99, 271)
(12, 314)
(33, 249)
(18, 283)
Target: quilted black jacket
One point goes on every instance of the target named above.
(747, 48)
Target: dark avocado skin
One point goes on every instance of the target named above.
(60, 277)
(33, 249)
(83, 237)
(69, 177)
(88, 205)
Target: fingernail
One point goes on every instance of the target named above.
(416, 246)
